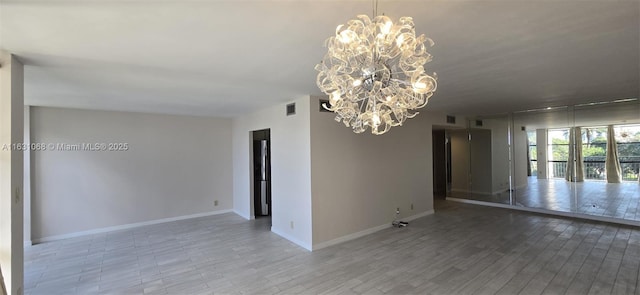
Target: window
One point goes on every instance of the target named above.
(558, 152)
(594, 152)
(532, 153)
(628, 140)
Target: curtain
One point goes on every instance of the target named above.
(575, 161)
(612, 163)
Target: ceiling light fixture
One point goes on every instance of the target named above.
(374, 73)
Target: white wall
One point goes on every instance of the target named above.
(460, 161)
(175, 166)
(11, 172)
(358, 180)
(482, 163)
(541, 151)
(27, 177)
(290, 169)
(499, 153)
(520, 149)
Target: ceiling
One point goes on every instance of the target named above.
(225, 58)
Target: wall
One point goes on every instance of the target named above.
(520, 148)
(500, 164)
(541, 152)
(460, 160)
(358, 180)
(11, 172)
(499, 153)
(27, 178)
(290, 169)
(496, 178)
(482, 163)
(174, 166)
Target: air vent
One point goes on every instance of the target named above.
(324, 102)
(478, 122)
(451, 119)
(291, 109)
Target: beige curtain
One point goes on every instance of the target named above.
(529, 172)
(575, 162)
(612, 163)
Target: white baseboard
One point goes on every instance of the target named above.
(471, 192)
(126, 226)
(350, 237)
(290, 238)
(365, 232)
(550, 212)
(247, 217)
(423, 214)
(475, 202)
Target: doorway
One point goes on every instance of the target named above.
(261, 149)
(439, 164)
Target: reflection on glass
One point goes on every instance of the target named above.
(557, 152)
(582, 159)
(628, 139)
(480, 160)
(532, 154)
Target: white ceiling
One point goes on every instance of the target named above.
(225, 58)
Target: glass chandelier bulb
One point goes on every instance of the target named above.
(374, 73)
(386, 28)
(335, 96)
(376, 120)
(419, 85)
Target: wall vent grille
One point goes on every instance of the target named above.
(291, 109)
(451, 119)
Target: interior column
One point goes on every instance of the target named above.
(541, 147)
(11, 172)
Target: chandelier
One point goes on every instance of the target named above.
(374, 73)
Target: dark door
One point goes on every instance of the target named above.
(439, 164)
(261, 173)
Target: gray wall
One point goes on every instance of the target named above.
(480, 161)
(175, 166)
(358, 180)
(460, 161)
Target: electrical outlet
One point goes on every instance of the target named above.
(291, 224)
(215, 203)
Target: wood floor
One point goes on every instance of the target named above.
(461, 249)
(597, 198)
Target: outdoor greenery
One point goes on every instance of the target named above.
(594, 149)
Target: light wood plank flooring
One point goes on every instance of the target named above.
(461, 249)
